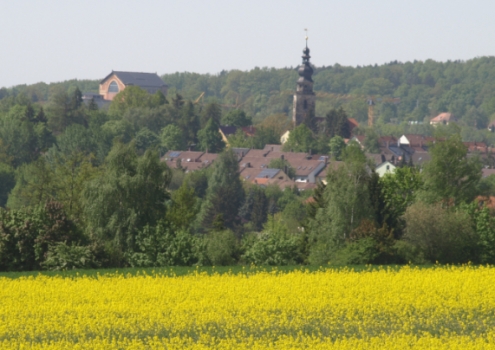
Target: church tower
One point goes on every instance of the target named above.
(304, 98)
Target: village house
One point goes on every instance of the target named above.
(443, 119)
(385, 168)
(115, 82)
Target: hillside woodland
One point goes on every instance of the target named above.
(83, 187)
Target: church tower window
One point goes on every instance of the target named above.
(113, 87)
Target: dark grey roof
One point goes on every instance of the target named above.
(138, 79)
(269, 173)
(228, 130)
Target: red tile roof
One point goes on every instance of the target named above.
(442, 118)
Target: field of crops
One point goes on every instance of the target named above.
(406, 308)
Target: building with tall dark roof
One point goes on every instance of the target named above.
(115, 82)
(304, 98)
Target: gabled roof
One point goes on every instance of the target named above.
(415, 139)
(228, 130)
(487, 172)
(249, 130)
(476, 146)
(137, 79)
(273, 148)
(442, 117)
(352, 123)
(268, 173)
(385, 141)
(384, 164)
(191, 156)
(359, 138)
(305, 167)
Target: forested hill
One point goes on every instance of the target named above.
(421, 90)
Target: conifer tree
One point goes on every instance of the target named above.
(225, 194)
(210, 139)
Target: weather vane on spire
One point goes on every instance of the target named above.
(306, 37)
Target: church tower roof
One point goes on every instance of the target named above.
(304, 97)
(305, 71)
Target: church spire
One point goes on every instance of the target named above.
(304, 98)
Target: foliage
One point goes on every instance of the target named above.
(347, 202)
(451, 175)
(399, 191)
(441, 234)
(184, 207)
(162, 245)
(337, 145)
(236, 117)
(336, 124)
(300, 139)
(209, 137)
(172, 138)
(221, 247)
(146, 139)
(26, 235)
(371, 141)
(127, 196)
(7, 182)
(284, 165)
(274, 246)
(62, 256)
(130, 97)
(224, 195)
(34, 184)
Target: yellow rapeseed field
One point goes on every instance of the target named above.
(406, 308)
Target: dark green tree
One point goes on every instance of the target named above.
(27, 234)
(7, 182)
(255, 208)
(336, 123)
(34, 185)
(189, 123)
(337, 145)
(211, 111)
(450, 176)
(146, 139)
(225, 194)
(371, 144)
(76, 99)
(182, 212)
(210, 139)
(301, 139)
(130, 194)
(236, 117)
(172, 138)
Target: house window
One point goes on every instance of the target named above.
(113, 87)
(388, 167)
(305, 104)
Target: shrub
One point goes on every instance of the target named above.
(441, 234)
(62, 256)
(221, 247)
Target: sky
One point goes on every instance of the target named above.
(56, 40)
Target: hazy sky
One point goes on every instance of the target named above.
(56, 40)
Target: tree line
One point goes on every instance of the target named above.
(82, 187)
(403, 92)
